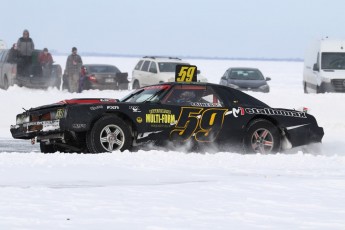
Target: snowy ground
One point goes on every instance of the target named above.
(303, 188)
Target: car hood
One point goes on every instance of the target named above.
(248, 83)
(77, 101)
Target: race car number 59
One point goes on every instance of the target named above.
(186, 73)
(203, 124)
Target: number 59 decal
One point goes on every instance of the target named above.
(186, 73)
(203, 124)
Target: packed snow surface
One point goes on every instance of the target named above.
(301, 188)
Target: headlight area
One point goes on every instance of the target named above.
(45, 121)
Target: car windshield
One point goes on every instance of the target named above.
(241, 74)
(169, 66)
(150, 93)
(97, 69)
(333, 61)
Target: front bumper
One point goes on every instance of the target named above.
(36, 82)
(336, 85)
(32, 129)
(304, 135)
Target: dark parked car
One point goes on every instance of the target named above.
(200, 114)
(102, 77)
(245, 79)
(11, 73)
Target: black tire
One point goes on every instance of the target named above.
(319, 89)
(262, 137)
(136, 84)
(109, 134)
(47, 148)
(305, 88)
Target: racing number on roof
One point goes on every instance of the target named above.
(203, 124)
(186, 73)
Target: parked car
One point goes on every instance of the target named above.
(10, 73)
(154, 70)
(245, 79)
(102, 77)
(166, 114)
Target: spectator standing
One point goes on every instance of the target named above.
(72, 70)
(25, 47)
(46, 61)
(13, 56)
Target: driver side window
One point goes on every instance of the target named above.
(193, 95)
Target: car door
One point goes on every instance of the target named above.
(198, 118)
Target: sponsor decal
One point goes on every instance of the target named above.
(135, 109)
(278, 112)
(202, 104)
(79, 126)
(96, 107)
(139, 120)
(236, 111)
(59, 114)
(113, 107)
(160, 118)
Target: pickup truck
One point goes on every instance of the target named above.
(9, 74)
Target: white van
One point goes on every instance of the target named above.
(324, 67)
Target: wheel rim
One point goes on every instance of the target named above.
(112, 138)
(262, 141)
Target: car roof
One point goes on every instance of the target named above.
(243, 68)
(163, 59)
(187, 83)
(97, 65)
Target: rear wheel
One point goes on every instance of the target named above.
(109, 134)
(262, 137)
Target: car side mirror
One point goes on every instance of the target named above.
(223, 78)
(268, 78)
(315, 67)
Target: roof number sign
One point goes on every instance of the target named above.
(186, 73)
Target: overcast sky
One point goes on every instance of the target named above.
(208, 28)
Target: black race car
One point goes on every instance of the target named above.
(200, 114)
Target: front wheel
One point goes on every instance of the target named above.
(47, 148)
(109, 134)
(305, 88)
(262, 137)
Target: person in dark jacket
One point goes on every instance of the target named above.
(13, 56)
(72, 70)
(26, 47)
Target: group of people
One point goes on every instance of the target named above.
(22, 54)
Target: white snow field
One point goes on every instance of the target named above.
(302, 188)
